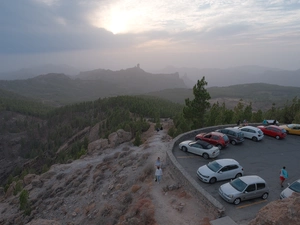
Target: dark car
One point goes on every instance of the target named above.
(215, 138)
(235, 135)
(273, 131)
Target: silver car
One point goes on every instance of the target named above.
(244, 188)
(294, 187)
(221, 169)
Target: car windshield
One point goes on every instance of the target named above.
(290, 126)
(295, 186)
(283, 130)
(240, 135)
(238, 184)
(260, 132)
(214, 166)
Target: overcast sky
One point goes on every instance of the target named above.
(118, 34)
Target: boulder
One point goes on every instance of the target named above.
(28, 178)
(10, 189)
(119, 137)
(97, 145)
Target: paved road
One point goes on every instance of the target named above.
(264, 159)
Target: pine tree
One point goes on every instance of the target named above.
(195, 109)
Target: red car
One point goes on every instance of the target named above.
(215, 138)
(273, 131)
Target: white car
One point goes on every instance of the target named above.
(201, 148)
(252, 133)
(221, 169)
(294, 187)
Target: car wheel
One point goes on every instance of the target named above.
(277, 137)
(219, 147)
(233, 142)
(205, 156)
(238, 175)
(237, 201)
(254, 139)
(265, 196)
(184, 149)
(212, 180)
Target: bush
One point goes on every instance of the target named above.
(24, 203)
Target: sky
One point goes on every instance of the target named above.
(119, 34)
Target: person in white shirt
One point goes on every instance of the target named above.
(158, 174)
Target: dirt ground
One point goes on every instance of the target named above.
(172, 207)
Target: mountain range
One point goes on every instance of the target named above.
(237, 75)
(59, 89)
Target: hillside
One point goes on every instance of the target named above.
(261, 95)
(60, 89)
(107, 186)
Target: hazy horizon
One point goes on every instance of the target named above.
(117, 35)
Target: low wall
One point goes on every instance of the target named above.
(186, 180)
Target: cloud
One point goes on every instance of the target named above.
(49, 26)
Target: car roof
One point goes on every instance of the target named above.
(250, 179)
(216, 133)
(224, 162)
(250, 127)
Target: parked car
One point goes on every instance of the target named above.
(202, 148)
(294, 187)
(235, 135)
(291, 128)
(252, 133)
(273, 131)
(244, 188)
(215, 138)
(221, 169)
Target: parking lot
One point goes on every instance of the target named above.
(264, 158)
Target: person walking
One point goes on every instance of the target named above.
(283, 175)
(158, 174)
(158, 162)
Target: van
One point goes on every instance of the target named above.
(235, 135)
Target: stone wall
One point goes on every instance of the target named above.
(186, 180)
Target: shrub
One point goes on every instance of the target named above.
(24, 203)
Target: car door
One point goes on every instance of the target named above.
(227, 172)
(250, 192)
(196, 148)
(260, 189)
(207, 138)
(246, 132)
(269, 131)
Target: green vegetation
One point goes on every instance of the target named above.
(195, 109)
(43, 130)
(24, 202)
(216, 114)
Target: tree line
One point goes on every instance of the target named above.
(198, 112)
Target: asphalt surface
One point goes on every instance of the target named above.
(264, 158)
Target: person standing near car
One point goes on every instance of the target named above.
(283, 175)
